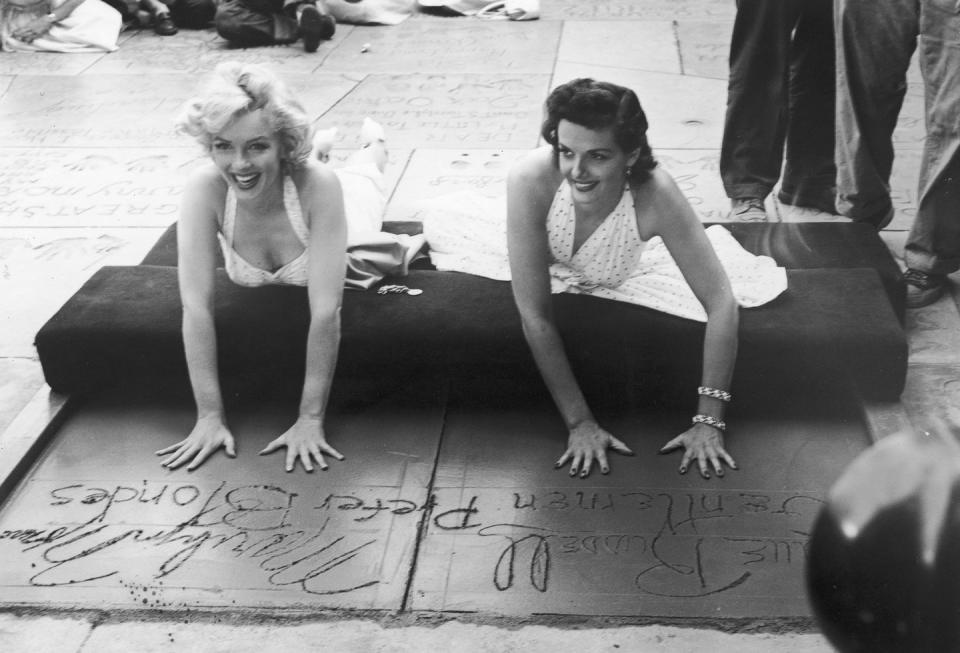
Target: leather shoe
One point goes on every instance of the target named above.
(748, 209)
(163, 25)
(922, 288)
(315, 27)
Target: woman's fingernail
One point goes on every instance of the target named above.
(604, 470)
(683, 470)
(583, 474)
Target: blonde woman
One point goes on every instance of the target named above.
(278, 215)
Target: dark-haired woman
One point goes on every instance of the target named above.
(591, 212)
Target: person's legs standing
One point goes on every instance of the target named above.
(933, 247)
(809, 174)
(875, 40)
(751, 153)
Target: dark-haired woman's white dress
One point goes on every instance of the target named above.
(613, 263)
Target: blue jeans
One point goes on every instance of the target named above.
(875, 40)
(780, 96)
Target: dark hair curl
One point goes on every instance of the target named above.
(601, 105)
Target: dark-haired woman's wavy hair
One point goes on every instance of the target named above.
(599, 105)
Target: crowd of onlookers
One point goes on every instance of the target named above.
(95, 25)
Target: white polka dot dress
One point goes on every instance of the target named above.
(468, 234)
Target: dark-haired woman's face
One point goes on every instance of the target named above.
(591, 162)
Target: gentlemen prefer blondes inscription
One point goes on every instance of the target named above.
(325, 545)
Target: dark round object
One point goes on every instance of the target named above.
(883, 566)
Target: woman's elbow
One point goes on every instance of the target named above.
(724, 309)
(325, 315)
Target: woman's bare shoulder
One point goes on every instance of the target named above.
(535, 165)
(205, 179)
(205, 191)
(661, 203)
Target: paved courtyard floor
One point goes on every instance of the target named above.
(90, 175)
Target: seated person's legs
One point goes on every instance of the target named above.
(273, 22)
(192, 14)
(162, 22)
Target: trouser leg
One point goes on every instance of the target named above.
(874, 42)
(751, 152)
(255, 22)
(192, 14)
(934, 242)
(809, 175)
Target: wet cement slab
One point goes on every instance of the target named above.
(446, 111)
(462, 46)
(643, 540)
(98, 523)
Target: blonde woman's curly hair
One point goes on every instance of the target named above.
(236, 89)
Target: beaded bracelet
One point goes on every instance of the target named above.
(710, 421)
(722, 395)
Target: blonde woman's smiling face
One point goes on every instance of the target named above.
(591, 161)
(247, 154)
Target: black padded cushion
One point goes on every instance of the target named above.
(125, 323)
(795, 246)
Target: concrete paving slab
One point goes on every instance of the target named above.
(42, 268)
(932, 396)
(789, 213)
(435, 173)
(354, 636)
(117, 530)
(697, 173)
(42, 63)
(97, 111)
(705, 47)
(683, 111)
(93, 110)
(638, 10)
(5, 82)
(933, 332)
(649, 45)
(46, 634)
(462, 46)
(447, 111)
(197, 52)
(20, 378)
(94, 187)
(641, 541)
